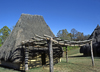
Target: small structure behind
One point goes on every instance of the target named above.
(86, 49)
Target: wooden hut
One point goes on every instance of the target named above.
(12, 54)
(86, 49)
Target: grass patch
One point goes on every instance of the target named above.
(0, 45)
(70, 48)
(76, 63)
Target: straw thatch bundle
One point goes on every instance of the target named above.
(26, 27)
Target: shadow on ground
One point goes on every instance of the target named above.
(11, 68)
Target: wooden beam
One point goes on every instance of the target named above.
(66, 55)
(26, 57)
(47, 36)
(57, 42)
(37, 39)
(50, 54)
(92, 55)
(75, 44)
(40, 36)
(85, 41)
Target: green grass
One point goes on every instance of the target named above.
(76, 63)
(0, 45)
(70, 48)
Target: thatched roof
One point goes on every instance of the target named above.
(95, 34)
(26, 27)
(96, 43)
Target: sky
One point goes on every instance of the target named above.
(83, 15)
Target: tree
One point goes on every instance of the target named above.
(63, 34)
(0, 43)
(12, 28)
(74, 33)
(70, 35)
(80, 36)
(4, 33)
(86, 37)
(59, 34)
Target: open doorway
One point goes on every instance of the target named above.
(43, 58)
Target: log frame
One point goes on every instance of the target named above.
(37, 42)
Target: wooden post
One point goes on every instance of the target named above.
(26, 58)
(66, 55)
(50, 55)
(92, 55)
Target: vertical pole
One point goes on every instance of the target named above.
(50, 54)
(92, 55)
(26, 58)
(66, 55)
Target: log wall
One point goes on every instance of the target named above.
(36, 60)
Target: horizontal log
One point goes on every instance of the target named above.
(47, 36)
(75, 44)
(40, 36)
(35, 65)
(41, 42)
(32, 60)
(39, 56)
(37, 39)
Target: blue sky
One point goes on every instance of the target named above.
(83, 15)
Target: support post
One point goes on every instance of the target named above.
(92, 55)
(26, 58)
(50, 55)
(66, 55)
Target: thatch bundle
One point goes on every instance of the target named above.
(96, 43)
(26, 27)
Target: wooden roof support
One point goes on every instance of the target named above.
(92, 57)
(55, 41)
(26, 57)
(66, 55)
(50, 54)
